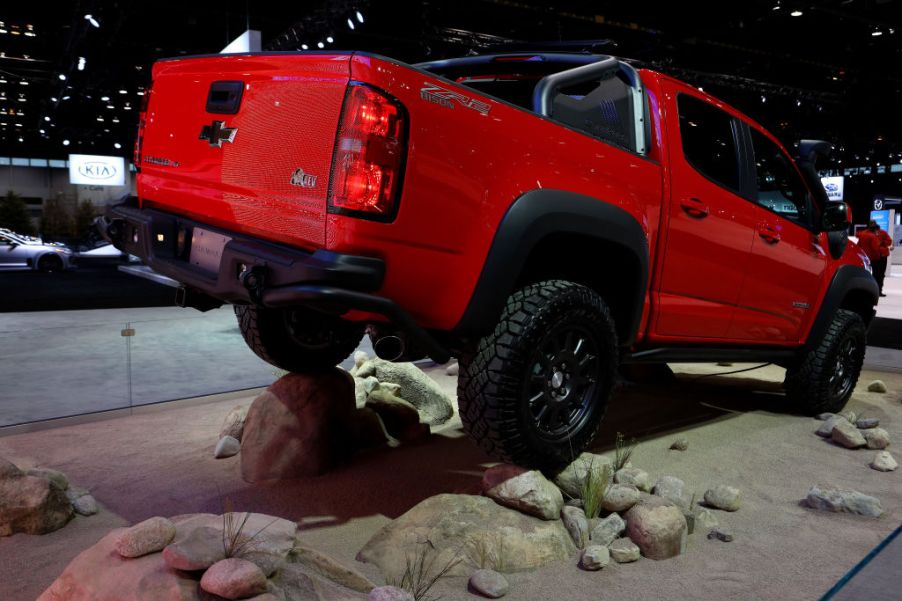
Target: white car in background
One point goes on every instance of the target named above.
(26, 252)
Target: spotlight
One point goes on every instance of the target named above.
(798, 103)
(796, 13)
(876, 33)
(330, 39)
(90, 19)
(359, 17)
(123, 91)
(46, 118)
(117, 145)
(81, 63)
(65, 142)
(304, 47)
(53, 99)
(320, 45)
(105, 98)
(350, 24)
(62, 77)
(763, 98)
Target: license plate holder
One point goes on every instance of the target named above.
(206, 249)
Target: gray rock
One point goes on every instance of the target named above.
(234, 578)
(865, 423)
(32, 504)
(8, 470)
(329, 567)
(847, 435)
(575, 503)
(448, 522)
(824, 416)
(199, 550)
(370, 383)
(605, 531)
(149, 536)
(389, 593)
(826, 428)
(233, 424)
(489, 583)
(721, 534)
(658, 527)
(360, 357)
(671, 488)
(577, 525)
(227, 446)
(56, 477)
(359, 393)
(570, 480)
(453, 369)
(884, 462)
(620, 497)
(595, 557)
(848, 501)
(418, 389)
(877, 386)
(633, 476)
(680, 444)
(876, 438)
(365, 369)
(849, 415)
(623, 550)
(705, 519)
(526, 491)
(82, 502)
(723, 497)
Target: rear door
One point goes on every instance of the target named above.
(709, 236)
(245, 142)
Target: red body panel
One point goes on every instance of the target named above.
(464, 168)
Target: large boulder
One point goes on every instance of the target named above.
(302, 425)
(571, 479)
(524, 490)
(658, 527)
(31, 504)
(417, 388)
(446, 525)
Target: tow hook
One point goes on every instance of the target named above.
(254, 279)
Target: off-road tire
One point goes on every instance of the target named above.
(50, 263)
(826, 375)
(496, 379)
(298, 340)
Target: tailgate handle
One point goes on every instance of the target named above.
(225, 97)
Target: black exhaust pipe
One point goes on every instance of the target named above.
(389, 348)
(189, 297)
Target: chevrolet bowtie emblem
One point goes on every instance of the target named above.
(216, 134)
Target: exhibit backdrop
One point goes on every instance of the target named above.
(834, 187)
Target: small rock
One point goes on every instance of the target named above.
(576, 524)
(658, 527)
(671, 488)
(418, 389)
(489, 583)
(147, 537)
(453, 369)
(877, 386)
(849, 415)
(620, 497)
(594, 558)
(633, 476)
(848, 501)
(623, 550)
(526, 491)
(227, 446)
(56, 477)
(723, 497)
(847, 435)
(233, 424)
(389, 593)
(824, 416)
(865, 423)
(575, 503)
(570, 479)
(84, 505)
(680, 445)
(721, 534)
(234, 578)
(826, 429)
(198, 551)
(705, 519)
(605, 531)
(884, 462)
(876, 438)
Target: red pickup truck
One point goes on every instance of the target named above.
(544, 217)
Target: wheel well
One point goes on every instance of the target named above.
(861, 302)
(614, 272)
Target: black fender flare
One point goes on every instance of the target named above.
(531, 218)
(848, 278)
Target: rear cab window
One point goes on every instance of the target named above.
(709, 138)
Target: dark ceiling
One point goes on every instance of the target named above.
(833, 72)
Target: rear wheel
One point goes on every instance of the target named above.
(535, 390)
(827, 374)
(298, 340)
(48, 263)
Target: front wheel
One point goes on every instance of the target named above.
(826, 376)
(535, 390)
(298, 340)
(49, 263)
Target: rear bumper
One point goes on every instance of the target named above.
(253, 271)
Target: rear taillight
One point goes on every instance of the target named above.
(142, 116)
(369, 155)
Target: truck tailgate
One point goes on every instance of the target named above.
(245, 142)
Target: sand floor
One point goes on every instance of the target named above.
(739, 433)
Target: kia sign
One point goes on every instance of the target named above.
(89, 169)
(833, 186)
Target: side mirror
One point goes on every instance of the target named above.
(837, 217)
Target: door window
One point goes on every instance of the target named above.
(708, 142)
(779, 186)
